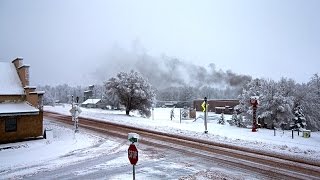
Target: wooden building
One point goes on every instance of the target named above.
(21, 112)
(93, 103)
(217, 105)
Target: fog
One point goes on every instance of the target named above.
(220, 43)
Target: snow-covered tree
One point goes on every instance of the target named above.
(221, 119)
(275, 99)
(276, 103)
(133, 91)
(299, 121)
(253, 88)
(311, 103)
(234, 119)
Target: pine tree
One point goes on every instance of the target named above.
(299, 121)
(221, 120)
(234, 119)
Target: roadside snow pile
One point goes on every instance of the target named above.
(263, 140)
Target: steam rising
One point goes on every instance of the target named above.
(166, 71)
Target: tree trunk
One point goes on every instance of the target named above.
(127, 112)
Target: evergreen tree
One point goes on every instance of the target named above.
(299, 121)
(234, 119)
(221, 120)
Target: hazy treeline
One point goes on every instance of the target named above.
(277, 99)
(63, 93)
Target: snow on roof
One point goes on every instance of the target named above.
(10, 81)
(220, 107)
(24, 65)
(37, 92)
(17, 58)
(17, 108)
(30, 87)
(91, 101)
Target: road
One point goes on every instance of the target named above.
(155, 162)
(163, 156)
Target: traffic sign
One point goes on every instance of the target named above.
(203, 105)
(75, 111)
(133, 154)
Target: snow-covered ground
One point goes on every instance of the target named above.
(46, 152)
(264, 139)
(40, 157)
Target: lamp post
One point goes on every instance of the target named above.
(254, 103)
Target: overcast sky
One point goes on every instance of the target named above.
(65, 41)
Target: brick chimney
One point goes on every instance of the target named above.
(29, 89)
(35, 98)
(18, 62)
(23, 72)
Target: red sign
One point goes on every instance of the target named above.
(133, 154)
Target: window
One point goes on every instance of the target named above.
(11, 124)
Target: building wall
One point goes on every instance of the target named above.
(12, 98)
(28, 126)
(33, 99)
(215, 103)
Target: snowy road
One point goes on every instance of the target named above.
(107, 159)
(163, 165)
(92, 155)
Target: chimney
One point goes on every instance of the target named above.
(18, 62)
(23, 72)
(29, 89)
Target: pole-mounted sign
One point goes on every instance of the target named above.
(205, 110)
(75, 112)
(133, 151)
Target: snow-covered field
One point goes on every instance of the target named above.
(264, 139)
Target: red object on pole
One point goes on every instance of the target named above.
(254, 104)
(133, 154)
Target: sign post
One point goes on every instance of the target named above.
(254, 103)
(204, 106)
(133, 152)
(75, 112)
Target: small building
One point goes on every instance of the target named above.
(21, 107)
(218, 106)
(92, 103)
(87, 94)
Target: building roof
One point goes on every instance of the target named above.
(10, 81)
(91, 101)
(21, 108)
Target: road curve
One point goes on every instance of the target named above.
(266, 163)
